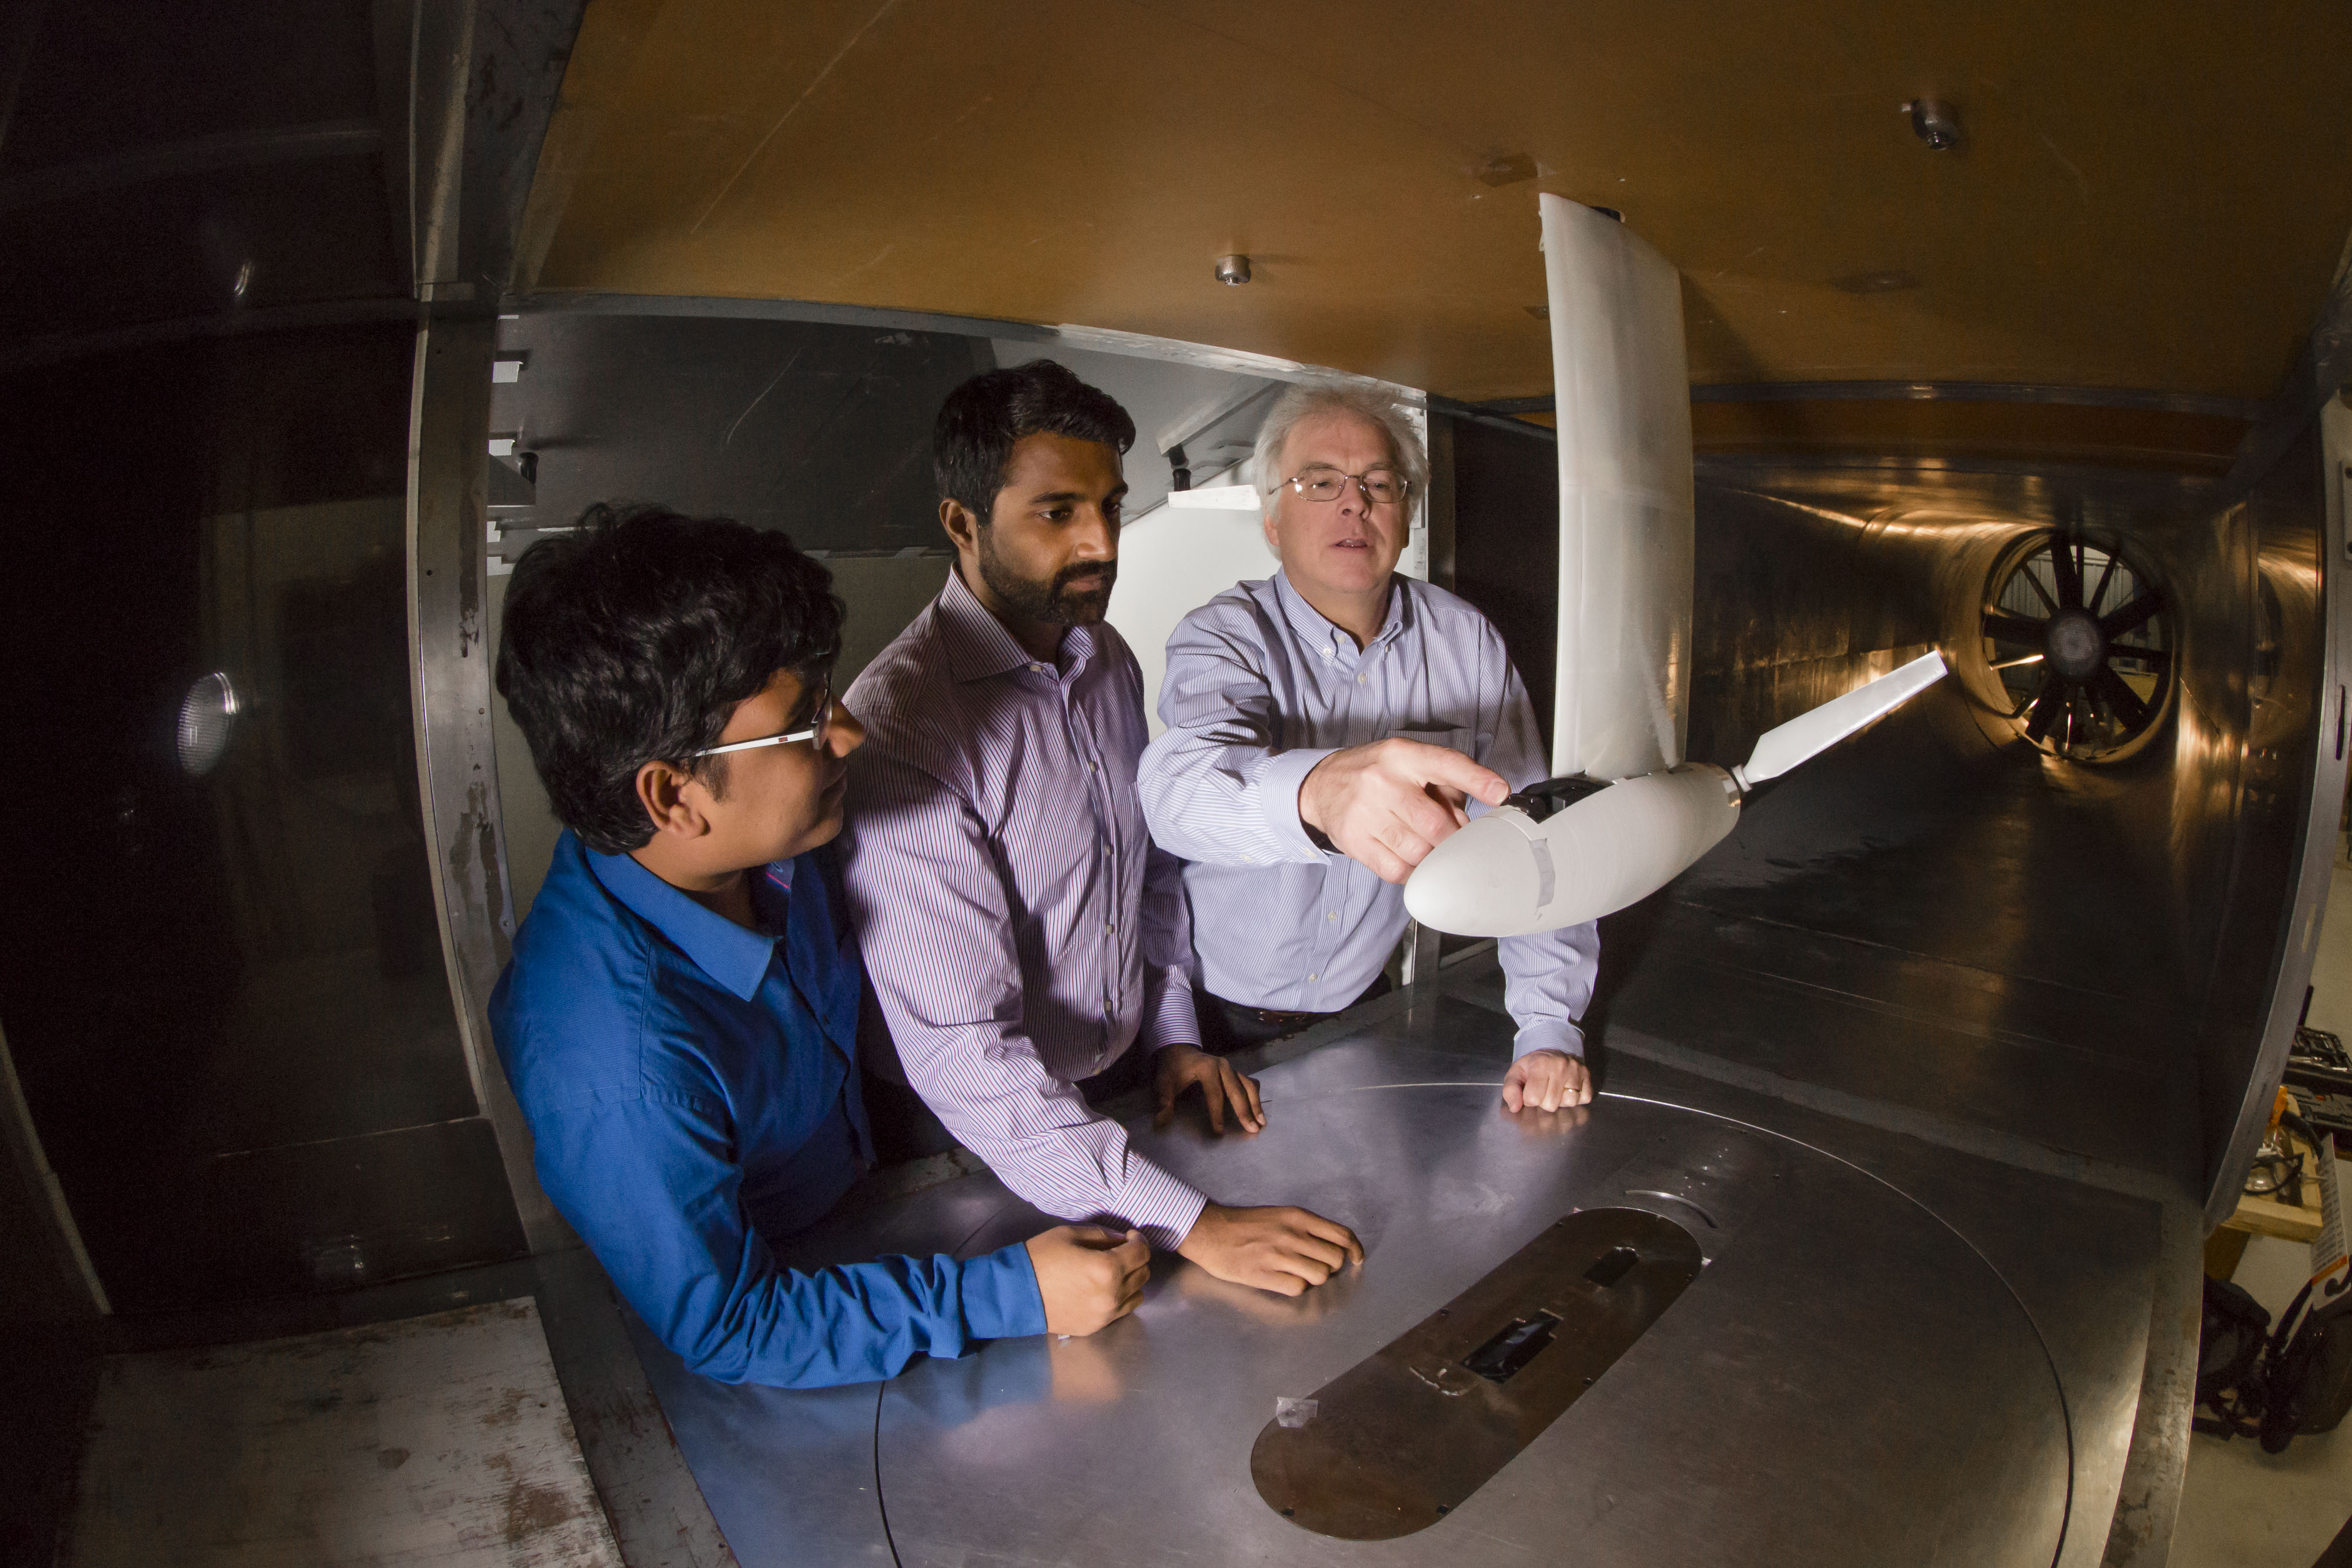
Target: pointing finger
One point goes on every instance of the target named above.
(1441, 765)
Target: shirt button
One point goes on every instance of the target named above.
(1359, 679)
(1314, 976)
(1111, 925)
(1334, 914)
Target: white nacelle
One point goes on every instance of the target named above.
(1507, 875)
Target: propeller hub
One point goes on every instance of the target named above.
(2074, 645)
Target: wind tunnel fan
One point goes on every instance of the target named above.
(2083, 644)
(1628, 812)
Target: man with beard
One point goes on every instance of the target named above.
(1029, 946)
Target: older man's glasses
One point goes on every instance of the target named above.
(813, 732)
(1381, 486)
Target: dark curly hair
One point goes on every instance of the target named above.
(982, 420)
(631, 640)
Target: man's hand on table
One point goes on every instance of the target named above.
(1089, 1277)
(1388, 804)
(1280, 1250)
(1179, 1067)
(1546, 1081)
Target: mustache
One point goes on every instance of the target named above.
(1101, 574)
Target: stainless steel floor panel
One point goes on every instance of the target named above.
(2018, 1057)
(1848, 1381)
(789, 1474)
(1897, 1350)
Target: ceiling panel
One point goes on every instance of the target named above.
(2148, 197)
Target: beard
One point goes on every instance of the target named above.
(1076, 595)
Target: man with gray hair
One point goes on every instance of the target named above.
(1327, 728)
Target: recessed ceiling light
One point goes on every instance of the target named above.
(1506, 171)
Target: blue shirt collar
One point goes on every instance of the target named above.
(1317, 630)
(735, 958)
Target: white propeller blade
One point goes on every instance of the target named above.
(1218, 498)
(1808, 734)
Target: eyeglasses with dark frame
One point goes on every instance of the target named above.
(1381, 486)
(813, 732)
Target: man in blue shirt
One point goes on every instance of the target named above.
(1327, 728)
(679, 1022)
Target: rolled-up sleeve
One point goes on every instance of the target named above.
(650, 1183)
(1547, 978)
(1214, 787)
(936, 930)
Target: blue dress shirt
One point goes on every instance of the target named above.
(1260, 688)
(691, 1088)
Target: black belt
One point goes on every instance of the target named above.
(1269, 1015)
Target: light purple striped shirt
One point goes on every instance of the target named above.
(1019, 927)
(1260, 688)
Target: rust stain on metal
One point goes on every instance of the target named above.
(508, 1409)
(531, 1509)
(477, 867)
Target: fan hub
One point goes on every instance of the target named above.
(2074, 645)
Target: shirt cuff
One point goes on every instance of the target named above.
(1174, 1021)
(1277, 795)
(1000, 1296)
(1160, 1206)
(1549, 1034)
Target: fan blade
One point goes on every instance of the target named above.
(1810, 734)
(2045, 707)
(2134, 614)
(2121, 700)
(2066, 561)
(2092, 604)
(2014, 628)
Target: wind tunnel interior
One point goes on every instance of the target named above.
(1946, 914)
(249, 1093)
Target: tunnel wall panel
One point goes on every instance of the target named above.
(2107, 934)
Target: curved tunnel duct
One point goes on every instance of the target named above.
(1622, 389)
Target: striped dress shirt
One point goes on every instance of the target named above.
(1260, 688)
(1019, 927)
